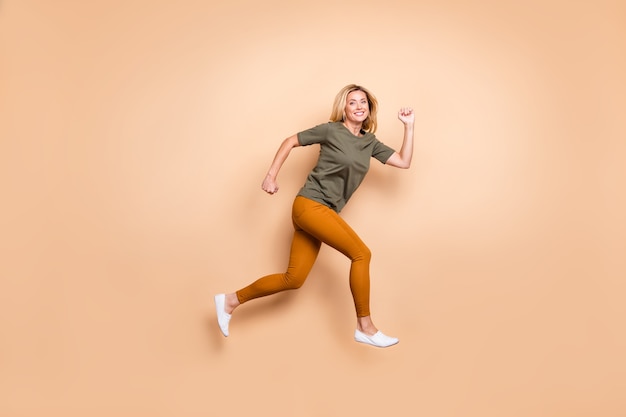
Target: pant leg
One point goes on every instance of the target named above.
(327, 226)
(304, 251)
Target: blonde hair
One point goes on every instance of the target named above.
(337, 113)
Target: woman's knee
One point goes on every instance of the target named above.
(364, 254)
(293, 282)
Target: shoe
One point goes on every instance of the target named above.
(223, 318)
(378, 339)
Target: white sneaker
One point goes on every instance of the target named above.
(223, 318)
(378, 339)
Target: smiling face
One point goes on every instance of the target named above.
(357, 107)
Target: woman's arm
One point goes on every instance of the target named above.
(269, 184)
(403, 158)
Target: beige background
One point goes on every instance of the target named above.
(134, 138)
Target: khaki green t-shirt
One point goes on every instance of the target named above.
(344, 160)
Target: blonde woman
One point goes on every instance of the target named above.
(347, 144)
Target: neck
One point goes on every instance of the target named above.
(354, 128)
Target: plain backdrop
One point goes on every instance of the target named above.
(134, 136)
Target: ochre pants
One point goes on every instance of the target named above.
(314, 224)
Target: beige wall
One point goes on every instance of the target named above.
(134, 136)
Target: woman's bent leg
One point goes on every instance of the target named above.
(304, 251)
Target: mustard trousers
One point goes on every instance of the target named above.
(314, 224)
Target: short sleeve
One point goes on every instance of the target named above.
(381, 151)
(317, 134)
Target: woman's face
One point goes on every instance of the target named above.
(357, 108)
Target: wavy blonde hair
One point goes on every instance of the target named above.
(337, 114)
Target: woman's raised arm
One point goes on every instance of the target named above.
(403, 158)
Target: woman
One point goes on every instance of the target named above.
(347, 143)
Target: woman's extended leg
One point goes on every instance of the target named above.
(304, 251)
